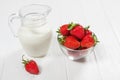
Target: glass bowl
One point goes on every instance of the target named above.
(75, 54)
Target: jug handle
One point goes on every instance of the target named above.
(11, 18)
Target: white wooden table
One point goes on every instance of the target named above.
(102, 64)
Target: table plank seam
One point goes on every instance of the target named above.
(97, 65)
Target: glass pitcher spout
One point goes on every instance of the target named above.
(36, 16)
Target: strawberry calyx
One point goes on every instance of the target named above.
(61, 39)
(58, 31)
(72, 25)
(25, 61)
(87, 27)
(95, 38)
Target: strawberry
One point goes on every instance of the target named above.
(71, 42)
(78, 32)
(31, 66)
(88, 41)
(64, 30)
(87, 31)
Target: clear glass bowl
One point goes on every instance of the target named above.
(75, 54)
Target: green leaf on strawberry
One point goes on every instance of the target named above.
(61, 39)
(71, 25)
(95, 38)
(87, 27)
(58, 31)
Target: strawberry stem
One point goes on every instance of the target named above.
(87, 27)
(24, 61)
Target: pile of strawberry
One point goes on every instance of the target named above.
(77, 37)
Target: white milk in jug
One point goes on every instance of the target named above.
(35, 40)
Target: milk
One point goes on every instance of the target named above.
(35, 40)
(34, 32)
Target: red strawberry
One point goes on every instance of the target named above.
(64, 30)
(78, 31)
(71, 42)
(88, 32)
(31, 66)
(88, 41)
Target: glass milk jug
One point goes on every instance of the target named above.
(34, 34)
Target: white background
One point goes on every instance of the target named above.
(102, 64)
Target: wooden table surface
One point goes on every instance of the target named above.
(102, 64)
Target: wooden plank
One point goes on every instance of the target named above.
(84, 69)
(51, 67)
(107, 52)
(112, 15)
(1, 66)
